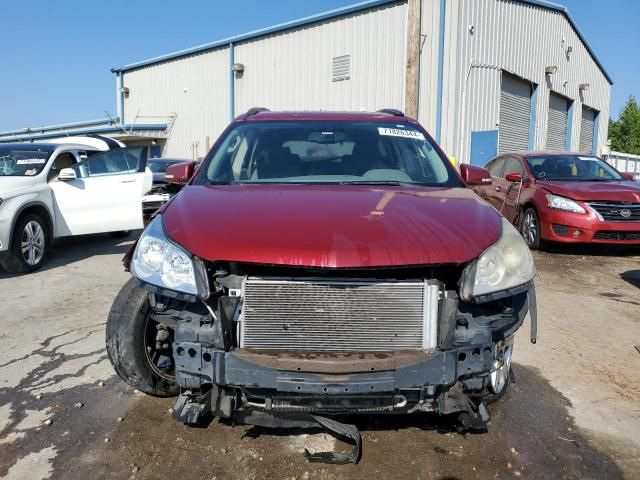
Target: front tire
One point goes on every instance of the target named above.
(128, 344)
(530, 229)
(29, 245)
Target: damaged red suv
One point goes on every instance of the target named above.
(323, 264)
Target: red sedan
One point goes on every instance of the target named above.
(564, 197)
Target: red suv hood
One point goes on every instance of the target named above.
(332, 226)
(622, 191)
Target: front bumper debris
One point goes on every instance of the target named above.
(306, 389)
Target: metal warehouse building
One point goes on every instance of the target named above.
(483, 76)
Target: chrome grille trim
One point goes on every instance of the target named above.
(612, 211)
(339, 315)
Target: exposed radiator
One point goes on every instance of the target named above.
(320, 315)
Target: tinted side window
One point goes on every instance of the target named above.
(513, 165)
(112, 162)
(495, 167)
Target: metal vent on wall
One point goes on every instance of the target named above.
(341, 68)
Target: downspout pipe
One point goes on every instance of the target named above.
(121, 97)
(443, 13)
(232, 83)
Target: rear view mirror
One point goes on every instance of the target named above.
(475, 175)
(628, 176)
(180, 172)
(514, 177)
(67, 174)
(327, 138)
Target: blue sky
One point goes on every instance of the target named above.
(56, 55)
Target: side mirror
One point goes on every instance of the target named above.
(180, 173)
(67, 174)
(628, 176)
(514, 177)
(475, 175)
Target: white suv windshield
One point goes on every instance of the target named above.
(327, 152)
(18, 162)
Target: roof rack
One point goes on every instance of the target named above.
(392, 111)
(256, 110)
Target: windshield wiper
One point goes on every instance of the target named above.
(217, 182)
(377, 182)
(595, 180)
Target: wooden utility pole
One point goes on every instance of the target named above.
(412, 88)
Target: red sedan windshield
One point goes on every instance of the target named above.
(580, 168)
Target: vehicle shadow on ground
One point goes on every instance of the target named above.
(632, 277)
(531, 433)
(594, 250)
(74, 249)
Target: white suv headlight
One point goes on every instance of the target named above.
(503, 266)
(564, 204)
(158, 261)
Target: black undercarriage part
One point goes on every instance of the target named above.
(197, 409)
(343, 431)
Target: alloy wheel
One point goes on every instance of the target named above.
(530, 227)
(500, 371)
(33, 243)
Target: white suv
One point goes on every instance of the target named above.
(49, 191)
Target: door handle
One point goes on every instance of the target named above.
(127, 181)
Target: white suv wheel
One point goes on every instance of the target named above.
(33, 243)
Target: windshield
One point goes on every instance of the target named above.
(27, 162)
(160, 166)
(580, 168)
(330, 152)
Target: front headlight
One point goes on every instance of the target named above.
(503, 266)
(564, 204)
(158, 261)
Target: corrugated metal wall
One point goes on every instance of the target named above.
(291, 70)
(195, 88)
(522, 39)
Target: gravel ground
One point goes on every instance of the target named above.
(573, 412)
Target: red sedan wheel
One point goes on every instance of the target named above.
(530, 228)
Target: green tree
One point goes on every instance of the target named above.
(624, 133)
